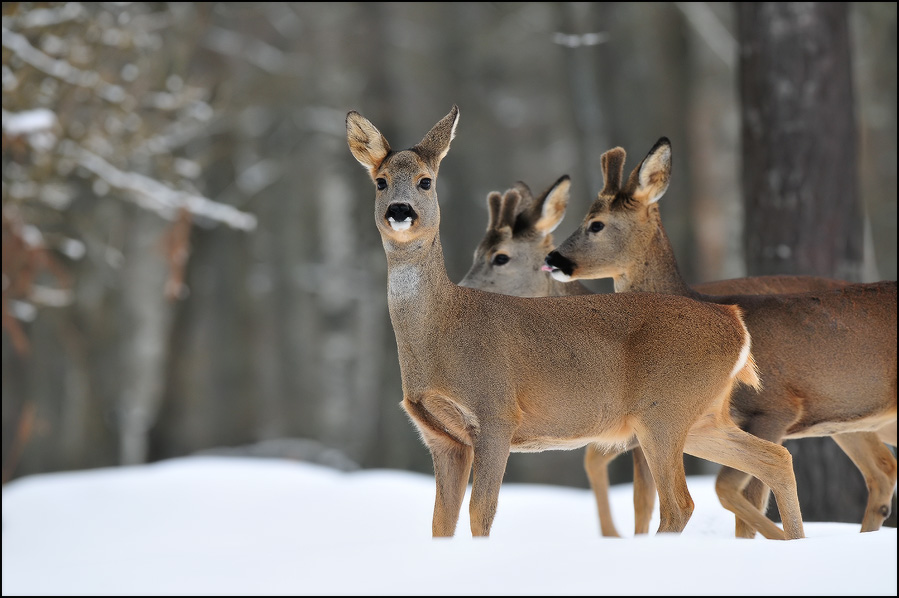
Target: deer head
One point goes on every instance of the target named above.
(509, 258)
(406, 209)
(619, 227)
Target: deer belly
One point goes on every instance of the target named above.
(871, 423)
(615, 436)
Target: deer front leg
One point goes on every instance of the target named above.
(644, 492)
(596, 463)
(491, 453)
(452, 466)
(878, 465)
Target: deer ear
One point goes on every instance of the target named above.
(366, 143)
(612, 164)
(649, 180)
(494, 203)
(436, 143)
(552, 206)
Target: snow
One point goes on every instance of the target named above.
(208, 525)
(28, 122)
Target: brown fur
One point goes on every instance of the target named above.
(608, 367)
(827, 358)
(528, 244)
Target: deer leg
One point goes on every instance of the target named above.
(878, 465)
(644, 492)
(452, 466)
(742, 453)
(888, 433)
(596, 463)
(665, 457)
(491, 453)
(769, 426)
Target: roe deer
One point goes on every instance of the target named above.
(509, 260)
(827, 358)
(484, 374)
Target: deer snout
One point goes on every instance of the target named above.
(560, 267)
(400, 216)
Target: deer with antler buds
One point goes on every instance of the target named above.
(484, 374)
(827, 358)
(508, 260)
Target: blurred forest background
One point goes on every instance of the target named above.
(190, 261)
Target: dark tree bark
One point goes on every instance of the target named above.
(800, 186)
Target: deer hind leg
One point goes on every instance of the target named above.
(888, 433)
(452, 466)
(596, 464)
(664, 454)
(878, 465)
(770, 426)
(742, 453)
(644, 492)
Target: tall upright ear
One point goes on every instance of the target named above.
(552, 206)
(434, 146)
(612, 164)
(649, 180)
(494, 203)
(366, 142)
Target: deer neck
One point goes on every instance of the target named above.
(656, 269)
(417, 286)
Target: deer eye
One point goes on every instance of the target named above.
(425, 184)
(500, 258)
(381, 183)
(595, 227)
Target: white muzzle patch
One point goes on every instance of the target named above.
(557, 274)
(398, 226)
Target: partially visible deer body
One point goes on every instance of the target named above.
(484, 374)
(827, 358)
(509, 260)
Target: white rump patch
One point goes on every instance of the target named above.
(744, 354)
(403, 281)
(405, 224)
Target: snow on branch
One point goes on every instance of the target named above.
(158, 197)
(573, 40)
(28, 122)
(61, 69)
(256, 52)
(45, 17)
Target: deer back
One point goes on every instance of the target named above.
(829, 353)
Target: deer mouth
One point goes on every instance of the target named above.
(400, 216)
(559, 267)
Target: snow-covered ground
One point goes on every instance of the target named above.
(236, 526)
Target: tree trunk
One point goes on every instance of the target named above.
(800, 186)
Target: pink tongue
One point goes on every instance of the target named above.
(546, 268)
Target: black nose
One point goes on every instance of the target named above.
(400, 212)
(558, 261)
